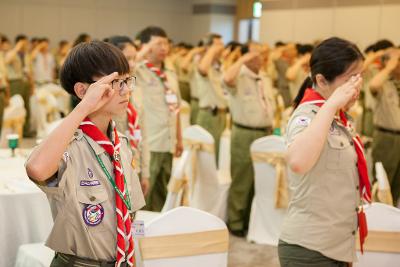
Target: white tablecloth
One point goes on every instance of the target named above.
(25, 212)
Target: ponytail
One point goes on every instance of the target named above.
(306, 84)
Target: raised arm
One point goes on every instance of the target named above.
(304, 151)
(233, 71)
(381, 77)
(44, 160)
(207, 61)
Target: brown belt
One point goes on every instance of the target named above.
(387, 130)
(75, 261)
(215, 110)
(264, 129)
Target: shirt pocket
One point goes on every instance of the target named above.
(340, 152)
(94, 206)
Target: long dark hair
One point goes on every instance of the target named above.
(331, 58)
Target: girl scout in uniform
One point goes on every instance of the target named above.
(328, 168)
(84, 165)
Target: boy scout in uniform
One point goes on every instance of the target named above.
(19, 75)
(252, 112)
(84, 165)
(158, 94)
(189, 66)
(385, 86)
(212, 101)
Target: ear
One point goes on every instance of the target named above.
(321, 81)
(80, 89)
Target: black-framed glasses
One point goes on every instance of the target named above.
(121, 84)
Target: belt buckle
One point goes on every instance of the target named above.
(214, 111)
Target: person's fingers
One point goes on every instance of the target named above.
(107, 79)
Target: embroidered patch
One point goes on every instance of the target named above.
(89, 173)
(302, 121)
(93, 214)
(89, 183)
(66, 156)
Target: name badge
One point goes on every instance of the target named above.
(138, 228)
(137, 134)
(171, 98)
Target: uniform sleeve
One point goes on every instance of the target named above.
(55, 183)
(299, 122)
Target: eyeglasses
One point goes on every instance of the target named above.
(120, 84)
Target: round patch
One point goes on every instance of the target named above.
(93, 214)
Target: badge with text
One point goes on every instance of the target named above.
(138, 228)
(171, 98)
(93, 214)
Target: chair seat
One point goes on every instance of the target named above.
(34, 255)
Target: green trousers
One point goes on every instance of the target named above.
(291, 255)
(214, 123)
(386, 149)
(2, 105)
(194, 110)
(184, 88)
(241, 191)
(367, 122)
(21, 87)
(160, 173)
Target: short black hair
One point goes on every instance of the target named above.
(44, 39)
(303, 49)
(81, 38)
(87, 60)
(146, 34)
(369, 48)
(232, 45)
(279, 44)
(20, 37)
(120, 41)
(383, 44)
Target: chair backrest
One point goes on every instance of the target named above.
(264, 173)
(16, 108)
(224, 156)
(382, 246)
(184, 237)
(185, 114)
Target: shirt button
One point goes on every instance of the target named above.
(356, 209)
(341, 144)
(353, 233)
(357, 187)
(92, 198)
(351, 143)
(76, 134)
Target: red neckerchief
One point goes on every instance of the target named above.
(112, 147)
(133, 125)
(313, 97)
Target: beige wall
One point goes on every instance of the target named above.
(65, 19)
(363, 23)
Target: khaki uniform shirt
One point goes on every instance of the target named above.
(141, 154)
(387, 109)
(69, 193)
(15, 69)
(150, 97)
(322, 212)
(210, 89)
(245, 101)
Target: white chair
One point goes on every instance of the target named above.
(34, 255)
(185, 114)
(265, 218)
(178, 184)
(210, 187)
(184, 237)
(13, 118)
(381, 189)
(382, 246)
(224, 156)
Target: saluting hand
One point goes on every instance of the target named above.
(346, 93)
(98, 93)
